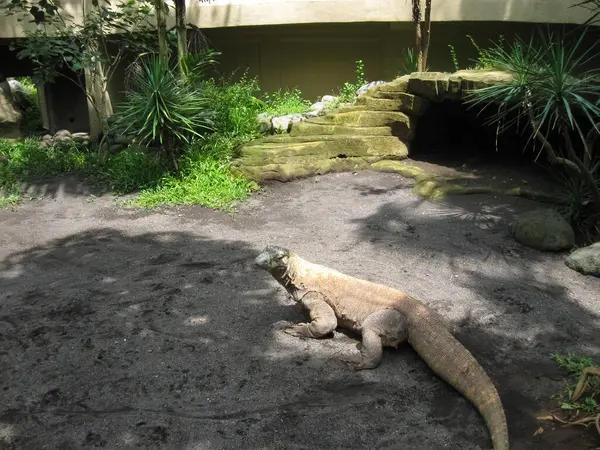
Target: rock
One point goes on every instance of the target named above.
(316, 113)
(62, 138)
(585, 260)
(399, 84)
(121, 140)
(80, 137)
(15, 85)
(47, 138)
(368, 119)
(284, 123)
(10, 115)
(328, 99)
(284, 158)
(265, 126)
(438, 86)
(430, 85)
(317, 129)
(317, 106)
(365, 87)
(115, 148)
(62, 133)
(281, 124)
(544, 230)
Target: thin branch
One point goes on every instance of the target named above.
(583, 171)
(550, 152)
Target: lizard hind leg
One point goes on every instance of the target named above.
(388, 328)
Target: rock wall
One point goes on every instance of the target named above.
(10, 115)
(378, 126)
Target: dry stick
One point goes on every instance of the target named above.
(590, 141)
(583, 171)
(416, 16)
(551, 154)
(426, 33)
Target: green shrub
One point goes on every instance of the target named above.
(574, 365)
(205, 179)
(235, 104)
(132, 169)
(31, 122)
(558, 97)
(411, 62)
(281, 103)
(163, 109)
(347, 92)
(26, 160)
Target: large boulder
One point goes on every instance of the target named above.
(543, 229)
(10, 116)
(585, 260)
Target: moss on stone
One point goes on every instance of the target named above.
(292, 170)
(364, 119)
(315, 129)
(399, 167)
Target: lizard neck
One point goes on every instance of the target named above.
(287, 278)
(283, 278)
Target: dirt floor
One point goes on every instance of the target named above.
(126, 329)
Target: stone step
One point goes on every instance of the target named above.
(394, 101)
(362, 118)
(400, 123)
(284, 157)
(317, 129)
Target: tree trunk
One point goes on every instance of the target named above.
(180, 13)
(426, 32)
(161, 24)
(416, 13)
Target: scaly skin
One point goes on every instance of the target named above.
(384, 317)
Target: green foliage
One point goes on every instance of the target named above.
(454, 57)
(594, 7)
(235, 104)
(205, 179)
(347, 92)
(132, 169)
(60, 46)
(61, 42)
(287, 102)
(161, 109)
(554, 93)
(411, 62)
(574, 366)
(578, 209)
(204, 176)
(26, 160)
(31, 122)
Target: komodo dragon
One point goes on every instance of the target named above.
(384, 317)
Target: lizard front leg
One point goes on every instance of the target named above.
(323, 320)
(387, 327)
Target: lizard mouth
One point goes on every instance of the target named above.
(261, 261)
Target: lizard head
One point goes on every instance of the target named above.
(272, 258)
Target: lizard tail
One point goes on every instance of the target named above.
(452, 362)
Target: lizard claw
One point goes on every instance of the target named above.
(298, 330)
(351, 362)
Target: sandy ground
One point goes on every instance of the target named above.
(126, 329)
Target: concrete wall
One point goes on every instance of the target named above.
(318, 58)
(236, 13)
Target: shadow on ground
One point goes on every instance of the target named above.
(169, 340)
(525, 304)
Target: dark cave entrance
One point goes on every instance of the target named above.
(453, 135)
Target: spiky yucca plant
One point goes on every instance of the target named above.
(163, 109)
(555, 93)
